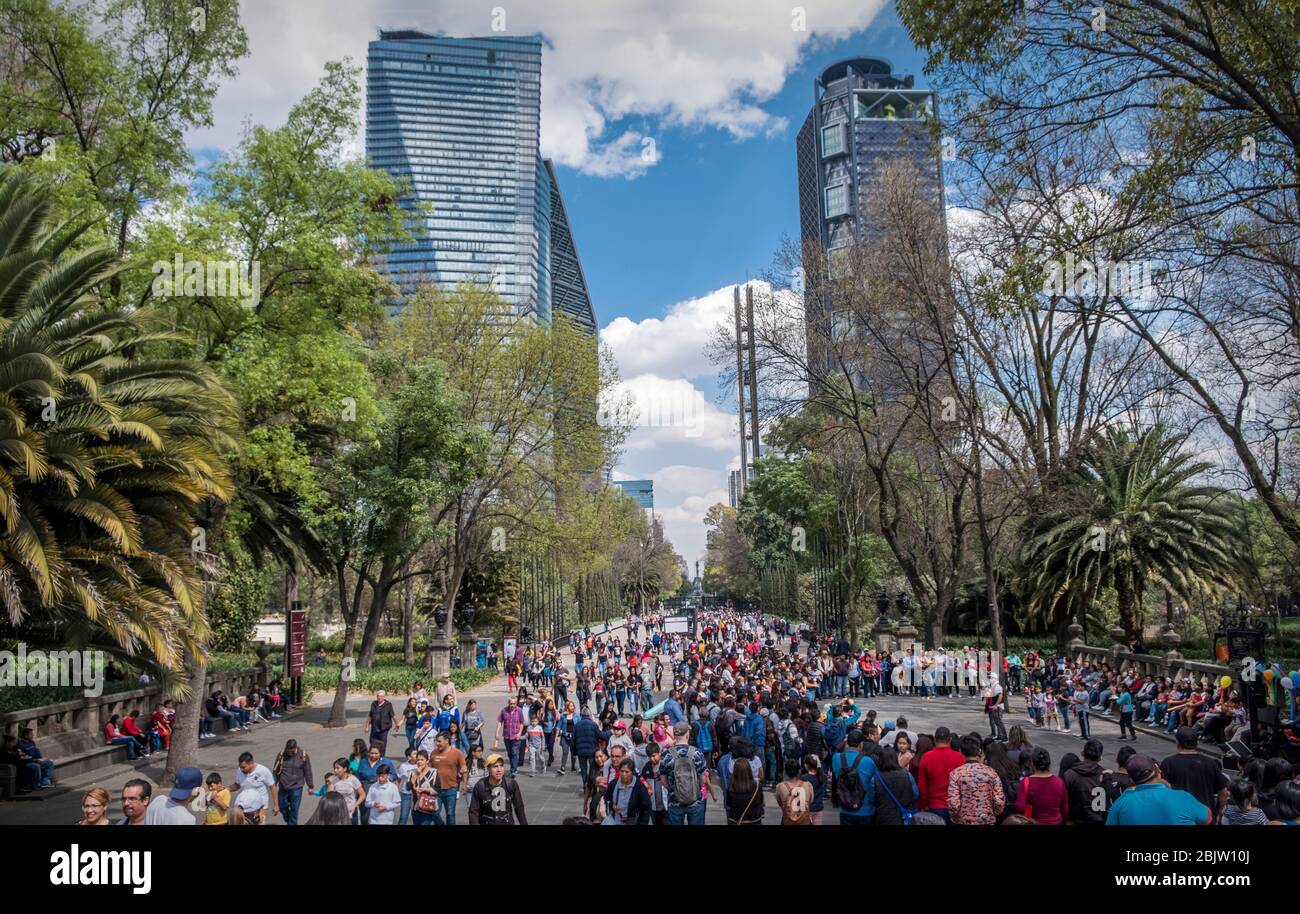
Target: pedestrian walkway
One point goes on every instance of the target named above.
(549, 798)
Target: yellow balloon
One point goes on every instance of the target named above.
(1225, 681)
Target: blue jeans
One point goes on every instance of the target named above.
(841, 686)
(447, 804)
(423, 818)
(290, 802)
(132, 747)
(405, 815)
(411, 730)
(39, 772)
(1083, 723)
(687, 815)
(515, 752)
(205, 725)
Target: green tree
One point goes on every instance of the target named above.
(100, 95)
(1123, 516)
(529, 393)
(109, 447)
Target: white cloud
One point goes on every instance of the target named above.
(664, 63)
(669, 412)
(684, 523)
(674, 345)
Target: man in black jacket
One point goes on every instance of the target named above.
(497, 799)
(1083, 787)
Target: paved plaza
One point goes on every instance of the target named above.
(549, 798)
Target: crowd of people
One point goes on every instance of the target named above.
(656, 725)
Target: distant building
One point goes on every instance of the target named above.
(733, 488)
(459, 118)
(642, 490)
(863, 118)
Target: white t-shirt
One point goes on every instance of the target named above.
(164, 810)
(390, 797)
(892, 736)
(254, 788)
(348, 788)
(404, 772)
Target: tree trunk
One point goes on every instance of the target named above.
(1062, 623)
(338, 711)
(408, 623)
(379, 598)
(185, 729)
(1124, 599)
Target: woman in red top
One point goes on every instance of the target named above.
(1042, 795)
(132, 729)
(115, 737)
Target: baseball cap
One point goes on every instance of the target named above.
(1141, 768)
(494, 758)
(187, 779)
(619, 725)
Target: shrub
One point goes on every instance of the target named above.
(391, 676)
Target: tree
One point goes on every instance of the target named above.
(109, 447)
(383, 494)
(101, 95)
(1192, 161)
(289, 200)
(1123, 515)
(529, 395)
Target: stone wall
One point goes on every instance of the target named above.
(87, 716)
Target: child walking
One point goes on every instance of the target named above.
(536, 747)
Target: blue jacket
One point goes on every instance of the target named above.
(755, 730)
(586, 736)
(858, 759)
(834, 732)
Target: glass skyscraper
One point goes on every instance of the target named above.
(459, 118)
(642, 490)
(863, 116)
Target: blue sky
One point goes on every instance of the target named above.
(714, 208)
(720, 87)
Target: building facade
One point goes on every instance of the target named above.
(863, 119)
(641, 490)
(458, 119)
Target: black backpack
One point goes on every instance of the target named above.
(849, 789)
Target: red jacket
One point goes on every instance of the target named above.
(932, 776)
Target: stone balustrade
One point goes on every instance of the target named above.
(88, 715)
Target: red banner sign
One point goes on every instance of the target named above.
(297, 639)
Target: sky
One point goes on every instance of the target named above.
(672, 125)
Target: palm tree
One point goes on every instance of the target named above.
(1124, 514)
(110, 445)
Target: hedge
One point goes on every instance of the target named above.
(394, 677)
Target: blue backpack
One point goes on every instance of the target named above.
(703, 739)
